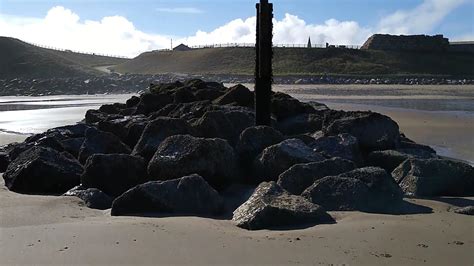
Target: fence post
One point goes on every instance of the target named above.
(263, 63)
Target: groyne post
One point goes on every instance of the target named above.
(263, 63)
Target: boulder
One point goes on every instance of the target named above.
(158, 130)
(300, 176)
(284, 106)
(114, 173)
(62, 133)
(224, 124)
(73, 145)
(92, 197)
(238, 95)
(391, 159)
(95, 116)
(184, 95)
(42, 170)
(120, 127)
(435, 177)
(208, 94)
(253, 140)
(114, 108)
(185, 111)
(373, 131)
(343, 145)
(469, 210)
(97, 141)
(189, 195)
(300, 124)
(181, 155)
(277, 158)
(151, 102)
(133, 101)
(336, 193)
(270, 206)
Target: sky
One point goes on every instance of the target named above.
(130, 27)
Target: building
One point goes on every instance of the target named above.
(182, 47)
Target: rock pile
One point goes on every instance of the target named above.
(178, 149)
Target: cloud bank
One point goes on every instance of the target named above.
(116, 35)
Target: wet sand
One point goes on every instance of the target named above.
(59, 230)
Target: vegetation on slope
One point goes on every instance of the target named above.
(289, 61)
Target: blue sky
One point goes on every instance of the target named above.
(150, 24)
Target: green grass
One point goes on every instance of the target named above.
(298, 61)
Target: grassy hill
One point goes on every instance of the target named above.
(290, 61)
(20, 59)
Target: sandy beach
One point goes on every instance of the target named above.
(43, 230)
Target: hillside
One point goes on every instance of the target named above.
(289, 61)
(20, 59)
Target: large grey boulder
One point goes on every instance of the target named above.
(373, 130)
(190, 195)
(271, 206)
(92, 197)
(238, 95)
(114, 173)
(42, 170)
(435, 177)
(300, 176)
(277, 158)
(391, 159)
(180, 155)
(97, 141)
(253, 140)
(343, 145)
(158, 130)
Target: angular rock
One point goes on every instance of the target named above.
(133, 101)
(391, 159)
(373, 131)
(435, 177)
(73, 145)
(469, 210)
(300, 124)
(284, 106)
(101, 142)
(253, 140)
(114, 173)
(95, 116)
(92, 197)
(150, 102)
(190, 195)
(62, 133)
(271, 206)
(42, 170)
(238, 95)
(184, 95)
(336, 193)
(181, 155)
(343, 145)
(276, 159)
(208, 94)
(300, 176)
(158, 130)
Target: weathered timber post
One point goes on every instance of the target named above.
(263, 63)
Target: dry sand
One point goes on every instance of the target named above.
(59, 230)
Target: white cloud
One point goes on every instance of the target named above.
(423, 18)
(117, 35)
(180, 10)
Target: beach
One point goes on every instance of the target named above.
(48, 230)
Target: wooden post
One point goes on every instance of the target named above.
(263, 63)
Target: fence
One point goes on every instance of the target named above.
(77, 52)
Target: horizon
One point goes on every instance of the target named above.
(120, 28)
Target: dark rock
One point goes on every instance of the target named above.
(182, 155)
(62, 133)
(101, 142)
(184, 95)
(95, 116)
(114, 108)
(190, 195)
(4, 161)
(300, 124)
(336, 193)
(284, 106)
(183, 110)
(253, 140)
(92, 197)
(120, 127)
(225, 124)
(208, 94)
(114, 173)
(73, 146)
(276, 159)
(300, 176)
(43, 171)
(373, 131)
(469, 210)
(435, 177)
(150, 102)
(343, 145)
(158, 130)
(271, 206)
(132, 102)
(238, 95)
(391, 159)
